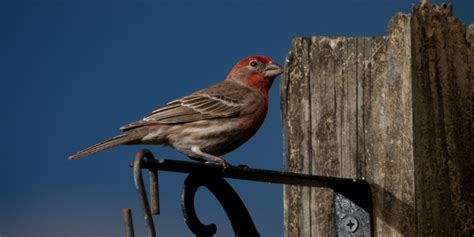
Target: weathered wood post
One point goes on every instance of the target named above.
(396, 110)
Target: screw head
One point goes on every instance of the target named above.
(350, 224)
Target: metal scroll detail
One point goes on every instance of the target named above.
(352, 199)
(235, 209)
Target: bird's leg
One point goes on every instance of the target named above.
(200, 160)
(211, 158)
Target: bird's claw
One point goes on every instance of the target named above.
(222, 163)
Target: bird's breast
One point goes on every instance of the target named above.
(250, 123)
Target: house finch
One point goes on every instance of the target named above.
(210, 122)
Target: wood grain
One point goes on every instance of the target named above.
(395, 110)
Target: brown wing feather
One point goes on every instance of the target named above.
(218, 101)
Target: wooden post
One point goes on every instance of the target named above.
(396, 110)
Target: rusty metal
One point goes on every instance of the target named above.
(127, 219)
(140, 157)
(235, 209)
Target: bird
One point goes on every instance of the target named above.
(210, 122)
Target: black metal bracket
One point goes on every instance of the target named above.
(140, 158)
(352, 198)
(234, 207)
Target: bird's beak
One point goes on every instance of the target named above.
(272, 70)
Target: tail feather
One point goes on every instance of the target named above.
(117, 140)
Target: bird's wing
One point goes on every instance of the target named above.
(219, 101)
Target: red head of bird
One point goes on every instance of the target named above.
(255, 71)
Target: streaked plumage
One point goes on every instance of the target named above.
(210, 122)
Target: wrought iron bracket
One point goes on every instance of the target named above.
(352, 197)
(234, 207)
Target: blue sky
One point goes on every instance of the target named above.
(73, 72)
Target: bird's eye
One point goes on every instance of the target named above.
(253, 63)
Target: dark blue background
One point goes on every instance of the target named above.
(72, 72)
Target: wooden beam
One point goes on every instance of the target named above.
(395, 110)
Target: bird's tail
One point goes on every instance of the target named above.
(125, 138)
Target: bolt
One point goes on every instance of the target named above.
(350, 224)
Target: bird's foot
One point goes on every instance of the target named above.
(211, 159)
(220, 162)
